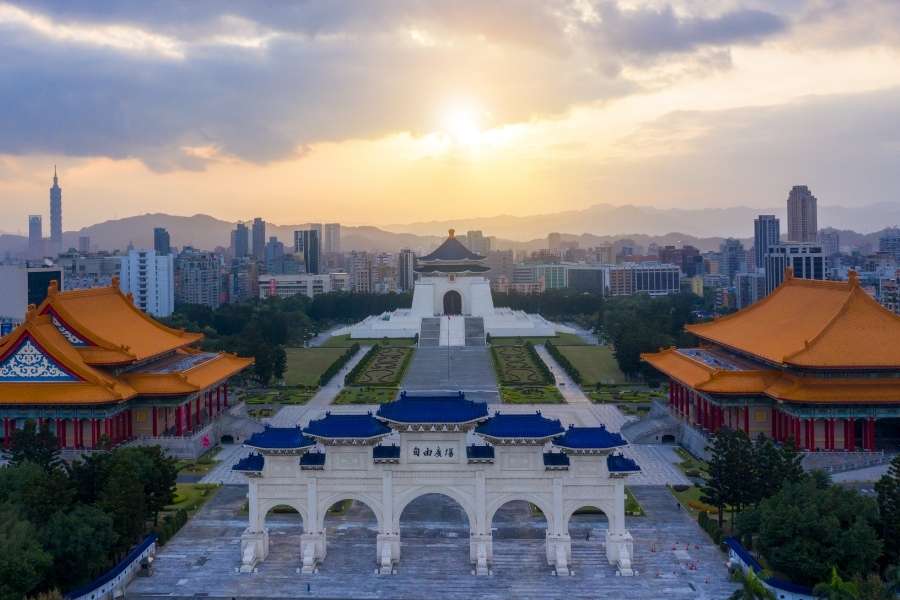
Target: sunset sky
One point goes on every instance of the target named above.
(392, 112)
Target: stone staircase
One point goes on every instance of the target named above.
(430, 333)
(840, 462)
(475, 331)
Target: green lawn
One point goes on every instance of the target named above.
(282, 396)
(306, 365)
(202, 465)
(596, 364)
(516, 366)
(691, 466)
(547, 394)
(191, 496)
(344, 341)
(353, 394)
(615, 395)
(633, 508)
(385, 367)
(560, 339)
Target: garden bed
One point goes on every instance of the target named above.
(383, 366)
(520, 366)
(547, 394)
(353, 394)
(344, 341)
(560, 339)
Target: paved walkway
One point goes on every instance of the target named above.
(673, 558)
(571, 391)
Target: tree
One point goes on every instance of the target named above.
(156, 471)
(122, 497)
(752, 588)
(804, 530)
(730, 481)
(80, 542)
(279, 362)
(888, 490)
(772, 466)
(23, 563)
(36, 445)
(836, 588)
(37, 493)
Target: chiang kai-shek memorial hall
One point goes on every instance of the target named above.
(817, 362)
(97, 370)
(447, 445)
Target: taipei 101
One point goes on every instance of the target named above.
(405, 300)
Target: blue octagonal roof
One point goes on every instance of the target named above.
(617, 463)
(589, 438)
(433, 408)
(279, 438)
(520, 426)
(346, 426)
(253, 463)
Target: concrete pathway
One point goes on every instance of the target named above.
(571, 391)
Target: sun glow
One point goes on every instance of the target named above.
(461, 122)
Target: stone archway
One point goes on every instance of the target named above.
(286, 524)
(433, 516)
(452, 303)
(587, 527)
(352, 523)
(519, 529)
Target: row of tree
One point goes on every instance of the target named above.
(63, 525)
(802, 524)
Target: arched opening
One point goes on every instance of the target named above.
(434, 530)
(667, 439)
(587, 528)
(285, 525)
(351, 532)
(452, 303)
(519, 530)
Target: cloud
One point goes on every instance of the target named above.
(257, 81)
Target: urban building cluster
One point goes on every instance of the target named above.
(255, 264)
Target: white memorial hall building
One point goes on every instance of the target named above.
(452, 305)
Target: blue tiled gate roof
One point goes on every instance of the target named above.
(346, 426)
(589, 438)
(520, 426)
(279, 438)
(448, 408)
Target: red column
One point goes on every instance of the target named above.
(810, 434)
(76, 431)
(219, 397)
(851, 434)
(178, 419)
(831, 437)
(187, 411)
(797, 431)
(153, 418)
(871, 438)
(225, 394)
(93, 433)
(6, 432)
(747, 420)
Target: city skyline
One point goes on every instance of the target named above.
(568, 106)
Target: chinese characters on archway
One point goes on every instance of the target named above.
(432, 452)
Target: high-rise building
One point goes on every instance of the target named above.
(806, 260)
(801, 210)
(586, 278)
(259, 239)
(56, 240)
(889, 242)
(360, 264)
(150, 280)
(733, 258)
(198, 278)
(477, 243)
(161, 241)
(23, 286)
(84, 244)
(766, 233)
(554, 240)
(274, 254)
(604, 254)
(35, 236)
(406, 264)
(748, 288)
(308, 244)
(240, 241)
(655, 279)
(331, 238)
(686, 257)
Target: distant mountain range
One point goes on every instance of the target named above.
(602, 223)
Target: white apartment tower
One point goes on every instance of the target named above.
(150, 278)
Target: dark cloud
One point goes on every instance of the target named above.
(333, 70)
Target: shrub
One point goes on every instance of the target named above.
(361, 365)
(335, 367)
(563, 361)
(680, 487)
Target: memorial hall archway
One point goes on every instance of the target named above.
(286, 525)
(519, 530)
(432, 516)
(452, 303)
(351, 525)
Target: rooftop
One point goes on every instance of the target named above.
(253, 463)
(520, 426)
(346, 427)
(617, 463)
(589, 438)
(451, 250)
(279, 438)
(433, 408)
(812, 324)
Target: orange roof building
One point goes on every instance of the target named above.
(98, 370)
(817, 362)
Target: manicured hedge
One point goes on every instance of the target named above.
(361, 365)
(541, 365)
(337, 365)
(563, 361)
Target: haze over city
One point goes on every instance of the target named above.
(381, 113)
